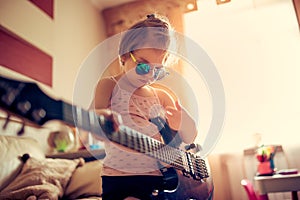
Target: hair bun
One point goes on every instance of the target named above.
(151, 16)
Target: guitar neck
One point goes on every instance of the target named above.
(89, 121)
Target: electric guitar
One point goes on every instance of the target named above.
(27, 101)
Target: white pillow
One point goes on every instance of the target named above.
(11, 148)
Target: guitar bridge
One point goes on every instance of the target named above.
(194, 167)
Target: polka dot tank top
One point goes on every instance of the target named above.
(136, 111)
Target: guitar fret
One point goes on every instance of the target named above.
(165, 155)
(135, 142)
(85, 120)
(130, 139)
(147, 146)
(169, 155)
(78, 116)
(154, 150)
(144, 145)
(141, 144)
(125, 136)
(92, 119)
(67, 110)
(123, 139)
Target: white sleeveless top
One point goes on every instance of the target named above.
(136, 112)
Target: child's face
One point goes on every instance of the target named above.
(151, 57)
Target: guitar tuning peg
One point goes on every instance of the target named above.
(194, 147)
(22, 129)
(6, 122)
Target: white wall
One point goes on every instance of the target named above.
(79, 27)
(255, 46)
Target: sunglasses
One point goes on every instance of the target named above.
(145, 68)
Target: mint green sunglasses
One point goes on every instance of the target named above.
(145, 68)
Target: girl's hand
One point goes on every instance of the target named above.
(109, 120)
(173, 115)
(180, 120)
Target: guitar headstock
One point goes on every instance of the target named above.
(28, 101)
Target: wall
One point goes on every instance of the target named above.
(255, 46)
(79, 28)
(76, 29)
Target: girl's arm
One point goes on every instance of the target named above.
(103, 93)
(178, 118)
(101, 100)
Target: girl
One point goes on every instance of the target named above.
(143, 52)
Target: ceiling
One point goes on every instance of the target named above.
(102, 4)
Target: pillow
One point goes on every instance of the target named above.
(85, 181)
(11, 147)
(41, 179)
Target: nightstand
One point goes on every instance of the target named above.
(87, 155)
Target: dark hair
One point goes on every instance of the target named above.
(153, 32)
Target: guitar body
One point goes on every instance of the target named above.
(179, 187)
(189, 188)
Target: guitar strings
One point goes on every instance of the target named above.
(137, 142)
(199, 170)
(133, 139)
